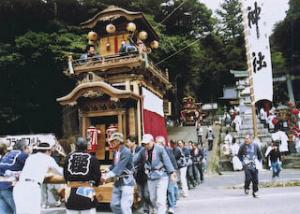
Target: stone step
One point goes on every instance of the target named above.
(291, 161)
(250, 126)
(242, 135)
(250, 131)
(225, 165)
(264, 142)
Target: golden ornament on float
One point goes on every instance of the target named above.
(91, 42)
(110, 28)
(154, 44)
(148, 50)
(92, 36)
(131, 27)
(143, 35)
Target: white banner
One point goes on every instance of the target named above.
(152, 102)
(258, 48)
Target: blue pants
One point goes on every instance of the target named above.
(172, 194)
(144, 193)
(275, 168)
(7, 204)
(122, 199)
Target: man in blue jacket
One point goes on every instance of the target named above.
(249, 153)
(10, 165)
(158, 167)
(122, 171)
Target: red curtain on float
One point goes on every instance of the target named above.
(154, 124)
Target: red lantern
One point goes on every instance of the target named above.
(110, 130)
(92, 136)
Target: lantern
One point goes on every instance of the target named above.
(110, 28)
(154, 44)
(91, 42)
(143, 35)
(110, 130)
(92, 36)
(131, 27)
(92, 136)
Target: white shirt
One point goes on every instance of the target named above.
(200, 131)
(262, 114)
(280, 135)
(36, 167)
(228, 139)
(237, 120)
(234, 149)
(270, 120)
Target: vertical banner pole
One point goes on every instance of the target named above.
(250, 67)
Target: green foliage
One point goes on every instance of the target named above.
(33, 79)
(285, 46)
(191, 19)
(231, 22)
(40, 34)
(286, 35)
(278, 61)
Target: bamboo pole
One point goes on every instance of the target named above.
(250, 68)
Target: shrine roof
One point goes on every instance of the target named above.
(239, 73)
(86, 89)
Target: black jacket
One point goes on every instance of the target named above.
(81, 166)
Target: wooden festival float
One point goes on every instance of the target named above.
(190, 112)
(117, 91)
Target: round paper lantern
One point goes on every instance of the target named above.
(131, 27)
(154, 44)
(143, 35)
(110, 28)
(92, 36)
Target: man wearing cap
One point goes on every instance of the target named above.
(122, 171)
(32, 176)
(10, 166)
(172, 185)
(158, 167)
(248, 154)
(81, 172)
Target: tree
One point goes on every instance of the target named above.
(192, 18)
(230, 30)
(231, 20)
(285, 43)
(40, 33)
(286, 35)
(33, 79)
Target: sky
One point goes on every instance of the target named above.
(276, 10)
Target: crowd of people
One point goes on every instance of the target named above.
(159, 171)
(162, 172)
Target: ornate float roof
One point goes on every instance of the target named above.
(113, 13)
(90, 89)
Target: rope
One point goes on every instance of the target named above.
(194, 42)
(172, 12)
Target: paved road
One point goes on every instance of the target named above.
(215, 196)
